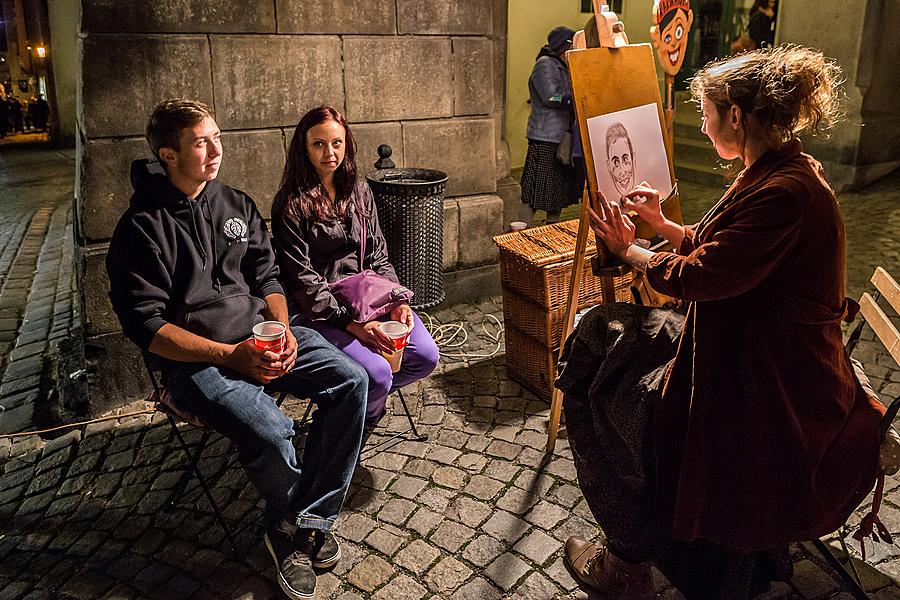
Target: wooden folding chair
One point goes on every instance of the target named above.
(174, 414)
(884, 329)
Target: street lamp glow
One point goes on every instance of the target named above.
(41, 52)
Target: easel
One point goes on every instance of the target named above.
(616, 76)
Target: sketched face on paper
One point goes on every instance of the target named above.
(620, 158)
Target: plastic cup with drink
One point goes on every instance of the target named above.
(270, 335)
(399, 334)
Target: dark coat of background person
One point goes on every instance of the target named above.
(763, 436)
(313, 254)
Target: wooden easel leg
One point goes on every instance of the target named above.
(571, 310)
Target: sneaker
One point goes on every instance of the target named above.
(321, 546)
(295, 572)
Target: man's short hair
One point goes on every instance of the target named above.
(615, 132)
(169, 118)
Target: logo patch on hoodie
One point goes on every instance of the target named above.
(236, 229)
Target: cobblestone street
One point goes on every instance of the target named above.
(475, 512)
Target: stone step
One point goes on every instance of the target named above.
(688, 130)
(699, 151)
(698, 172)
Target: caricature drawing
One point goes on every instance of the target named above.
(626, 148)
(620, 158)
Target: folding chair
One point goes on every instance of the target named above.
(381, 445)
(164, 404)
(881, 324)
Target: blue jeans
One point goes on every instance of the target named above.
(243, 412)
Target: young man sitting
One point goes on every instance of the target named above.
(191, 272)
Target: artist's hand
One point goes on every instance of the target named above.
(371, 336)
(644, 200)
(255, 363)
(613, 227)
(403, 314)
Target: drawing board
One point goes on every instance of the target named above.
(629, 148)
(612, 80)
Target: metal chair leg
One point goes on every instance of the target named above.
(384, 444)
(852, 585)
(194, 460)
(412, 425)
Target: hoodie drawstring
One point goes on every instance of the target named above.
(217, 281)
(196, 232)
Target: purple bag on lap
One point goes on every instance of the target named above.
(368, 295)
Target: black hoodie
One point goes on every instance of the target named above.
(204, 265)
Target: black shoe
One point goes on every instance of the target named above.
(295, 572)
(321, 546)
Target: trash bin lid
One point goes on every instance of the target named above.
(406, 177)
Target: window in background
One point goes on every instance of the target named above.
(614, 5)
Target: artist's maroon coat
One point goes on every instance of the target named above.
(763, 435)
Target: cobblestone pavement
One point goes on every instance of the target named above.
(471, 513)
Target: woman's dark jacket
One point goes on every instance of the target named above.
(551, 99)
(763, 435)
(312, 254)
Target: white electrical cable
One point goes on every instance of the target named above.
(455, 335)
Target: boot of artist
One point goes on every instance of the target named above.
(609, 575)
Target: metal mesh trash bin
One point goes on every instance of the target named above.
(411, 211)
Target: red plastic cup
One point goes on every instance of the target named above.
(399, 334)
(270, 335)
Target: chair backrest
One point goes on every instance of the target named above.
(881, 324)
(876, 317)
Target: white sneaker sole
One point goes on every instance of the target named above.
(324, 564)
(282, 583)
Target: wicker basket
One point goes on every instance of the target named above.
(537, 264)
(546, 325)
(530, 362)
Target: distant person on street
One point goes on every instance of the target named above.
(17, 119)
(41, 113)
(547, 183)
(4, 117)
(762, 23)
(191, 272)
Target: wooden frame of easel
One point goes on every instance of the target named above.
(606, 80)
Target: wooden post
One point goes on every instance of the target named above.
(571, 311)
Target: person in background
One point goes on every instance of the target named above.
(754, 429)
(317, 224)
(547, 183)
(191, 271)
(762, 23)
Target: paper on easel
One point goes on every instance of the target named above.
(628, 147)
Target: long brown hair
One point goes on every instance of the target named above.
(301, 195)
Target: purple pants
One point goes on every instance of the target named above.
(420, 357)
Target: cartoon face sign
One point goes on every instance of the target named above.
(672, 21)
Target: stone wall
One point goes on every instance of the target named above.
(426, 78)
(863, 41)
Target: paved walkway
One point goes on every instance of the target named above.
(471, 513)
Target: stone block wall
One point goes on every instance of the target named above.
(426, 78)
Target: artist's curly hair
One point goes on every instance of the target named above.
(789, 90)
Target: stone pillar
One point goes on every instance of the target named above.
(864, 40)
(426, 78)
